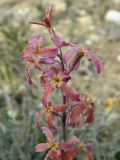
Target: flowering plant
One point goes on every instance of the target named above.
(75, 110)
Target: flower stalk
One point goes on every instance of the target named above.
(75, 109)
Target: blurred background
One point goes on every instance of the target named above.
(94, 24)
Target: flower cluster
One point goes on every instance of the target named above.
(76, 109)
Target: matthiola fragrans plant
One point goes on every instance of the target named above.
(75, 109)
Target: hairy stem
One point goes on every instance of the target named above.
(64, 102)
(64, 121)
(61, 58)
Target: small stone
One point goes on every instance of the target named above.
(60, 6)
(88, 42)
(12, 113)
(116, 1)
(113, 16)
(81, 12)
(85, 21)
(118, 58)
(94, 37)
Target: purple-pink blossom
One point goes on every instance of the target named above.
(74, 55)
(35, 55)
(71, 108)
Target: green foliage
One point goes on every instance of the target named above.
(117, 155)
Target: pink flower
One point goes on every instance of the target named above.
(74, 114)
(76, 110)
(48, 17)
(55, 77)
(73, 57)
(35, 55)
(83, 109)
(49, 110)
(55, 148)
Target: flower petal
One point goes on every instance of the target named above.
(54, 154)
(74, 139)
(36, 63)
(65, 76)
(74, 64)
(45, 60)
(76, 111)
(70, 54)
(35, 41)
(50, 122)
(60, 108)
(41, 147)
(70, 155)
(37, 122)
(48, 134)
(51, 53)
(69, 93)
(94, 59)
(27, 73)
(25, 53)
(58, 42)
(47, 92)
(90, 113)
(65, 146)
